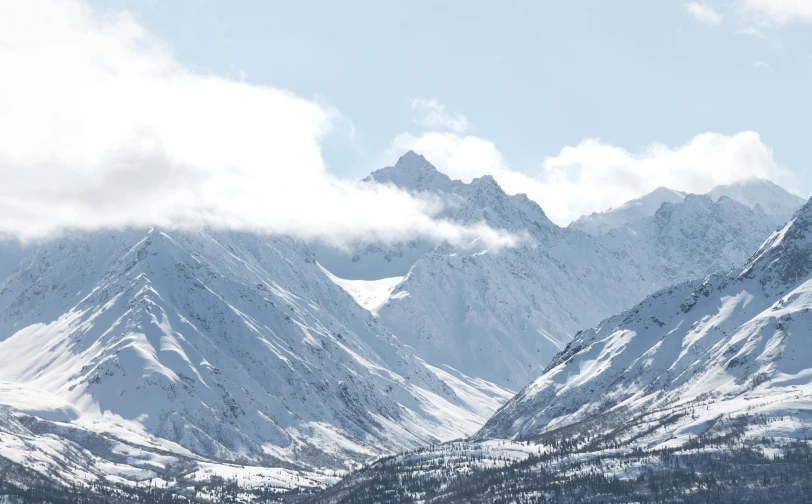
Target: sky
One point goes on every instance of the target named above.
(263, 114)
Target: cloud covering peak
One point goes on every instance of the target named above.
(103, 128)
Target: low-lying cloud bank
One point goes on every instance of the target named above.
(103, 128)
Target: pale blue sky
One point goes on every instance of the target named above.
(531, 77)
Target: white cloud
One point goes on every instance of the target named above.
(704, 13)
(594, 176)
(101, 128)
(761, 65)
(433, 115)
(779, 12)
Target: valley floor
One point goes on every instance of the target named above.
(729, 467)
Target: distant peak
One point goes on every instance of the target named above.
(414, 172)
(486, 185)
(412, 160)
(485, 180)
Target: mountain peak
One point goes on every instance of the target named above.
(485, 181)
(411, 160)
(413, 172)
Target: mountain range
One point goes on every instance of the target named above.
(182, 356)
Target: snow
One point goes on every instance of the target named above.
(33, 401)
(370, 294)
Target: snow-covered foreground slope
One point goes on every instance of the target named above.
(221, 347)
(502, 316)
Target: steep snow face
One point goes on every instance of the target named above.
(231, 346)
(736, 344)
(628, 213)
(775, 201)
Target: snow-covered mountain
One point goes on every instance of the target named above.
(727, 346)
(774, 201)
(502, 316)
(628, 213)
(196, 347)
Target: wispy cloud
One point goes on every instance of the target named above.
(705, 13)
(762, 65)
(753, 33)
(432, 115)
(101, 127)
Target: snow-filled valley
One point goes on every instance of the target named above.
(178, 359)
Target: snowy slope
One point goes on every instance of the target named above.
(226, 347)
(628, 213)
(734, 345)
